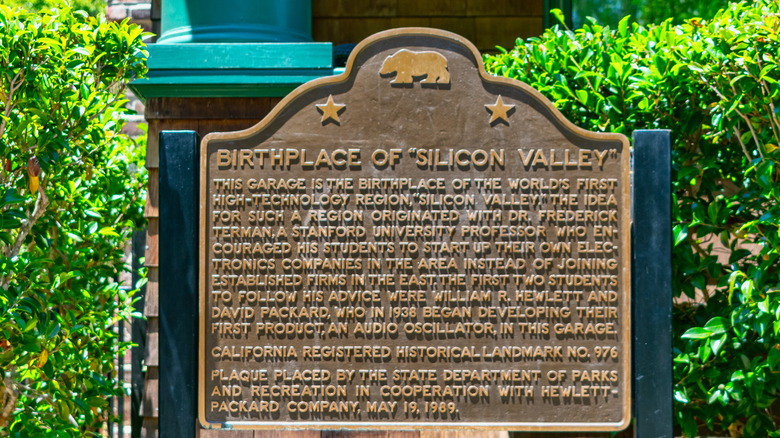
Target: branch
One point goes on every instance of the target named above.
(736, 130)
(738, 134)
(7, 400)
(116, 97)
(703, 254)
(13, 86)
(773, 122)
(747, 120)
(40, 208)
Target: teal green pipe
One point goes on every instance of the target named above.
(226, 21)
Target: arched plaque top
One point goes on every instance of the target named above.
(420, 58)
(485, 234)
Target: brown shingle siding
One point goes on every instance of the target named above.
(430, 8)
(352, 8)
(485, 23)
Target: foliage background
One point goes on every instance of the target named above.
(71, 190)
(91, 7)
(714, 84)
(610, 12)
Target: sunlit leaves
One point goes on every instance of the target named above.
(714, 84)
(62, 77)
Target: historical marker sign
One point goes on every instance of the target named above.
(415, 244)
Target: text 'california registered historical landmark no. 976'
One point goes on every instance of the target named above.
(415, 244)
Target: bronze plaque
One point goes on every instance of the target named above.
(415, 244)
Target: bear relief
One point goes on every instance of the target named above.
(409, 66)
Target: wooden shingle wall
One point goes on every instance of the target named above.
(484, 23)
(202, 116)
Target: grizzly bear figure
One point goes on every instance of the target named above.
(408, 65)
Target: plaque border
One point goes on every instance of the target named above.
(625, 224)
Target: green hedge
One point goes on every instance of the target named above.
(714, 84)
(71, 190)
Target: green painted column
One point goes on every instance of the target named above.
(233, 48)
(223, 21)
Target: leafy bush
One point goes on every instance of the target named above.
(645, 11)
(92, 7)
(714, 84)
(71, 189)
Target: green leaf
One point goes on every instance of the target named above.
(680, 233)
(763, 306)
(81, 51)
(717, 344)
(31, 324)
(108, 231)
(10, 197)
(6, 238)
(752, 425)
(747, 289)
(696, 333)
(54, 330)
(582, 96)
(558, 14)
(716, 325)
(623, 26)
(715, 396)
(680, 396)
(773, 358)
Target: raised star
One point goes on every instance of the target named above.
(330, 110)
(499, 110)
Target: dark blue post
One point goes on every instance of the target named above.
(652, 284)
(138, 331)
(178, 283)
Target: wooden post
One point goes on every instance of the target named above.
(652, 289)
(178, 345)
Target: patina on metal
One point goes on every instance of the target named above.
(415, 244)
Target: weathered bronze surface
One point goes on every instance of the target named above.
(415, 244)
